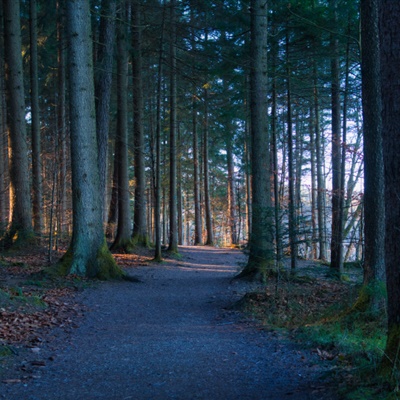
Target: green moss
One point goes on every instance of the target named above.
(390, 365)
(140, 240)
(103, 267)
(106, 265)
(123, 246)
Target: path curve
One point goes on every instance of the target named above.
(171, 337)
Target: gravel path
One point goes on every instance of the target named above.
(170, 337)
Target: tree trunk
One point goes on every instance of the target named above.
(139, 235)
(207, 200)
(157, 181)
(389, 19)
(173, 228)
(374, 201)
(103, 83)
(36, 152)
(198, 236)
(20, 224)
(61, 118)
(3, 133)
(231, 194)
(88, 254)
(336, 240)
(291, 167)
(261, 258)
(320, 177)
(123, 237)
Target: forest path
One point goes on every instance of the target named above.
(171, 337)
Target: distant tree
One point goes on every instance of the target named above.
(139, 235)
(20, 225)
(88, 254)
(336, 242)
(173, 219)
(389, 28)
(123, 240)
(36, 142)
(261, 258)
(103, 84)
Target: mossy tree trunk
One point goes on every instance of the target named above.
(20, 225)
(261, 258)
(88, 254)
(371, 298)
(389, 28)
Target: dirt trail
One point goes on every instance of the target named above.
(171, 337)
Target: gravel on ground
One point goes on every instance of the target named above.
(172, 336)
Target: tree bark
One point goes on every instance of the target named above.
(231, 194)
(139, 234)
(173, 227)
(3, 133)
(206, 177)
(261, 258)
(103, 83)
(88, 254)
(157, 179)
(61, 118)
(20, 224)
(374, 201)
(291, 167)
(389, 28)
(336, 240)
(36, 142)
(123, 237)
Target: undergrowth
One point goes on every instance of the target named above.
(315, 312)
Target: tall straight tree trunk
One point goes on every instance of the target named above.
(103, 83)
(123, 237)
(88, 254)
(261, 258)
(3, 132)
(157, 181)
(313, 185)
(20, 224)
(320, 176)
(139, 234)
(61, 117)
(389, 28)
(336, 240)
(179, 204)
(207, 200)
(341, 220)
(291, 167)
(173, 223)
(274, 117)
(36, 152)
(231, 194)
(198, 236)
(198, 229)
(112, 219)
(374, 200)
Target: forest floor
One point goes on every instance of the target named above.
(186, 331)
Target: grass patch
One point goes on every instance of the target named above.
(314, 311)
